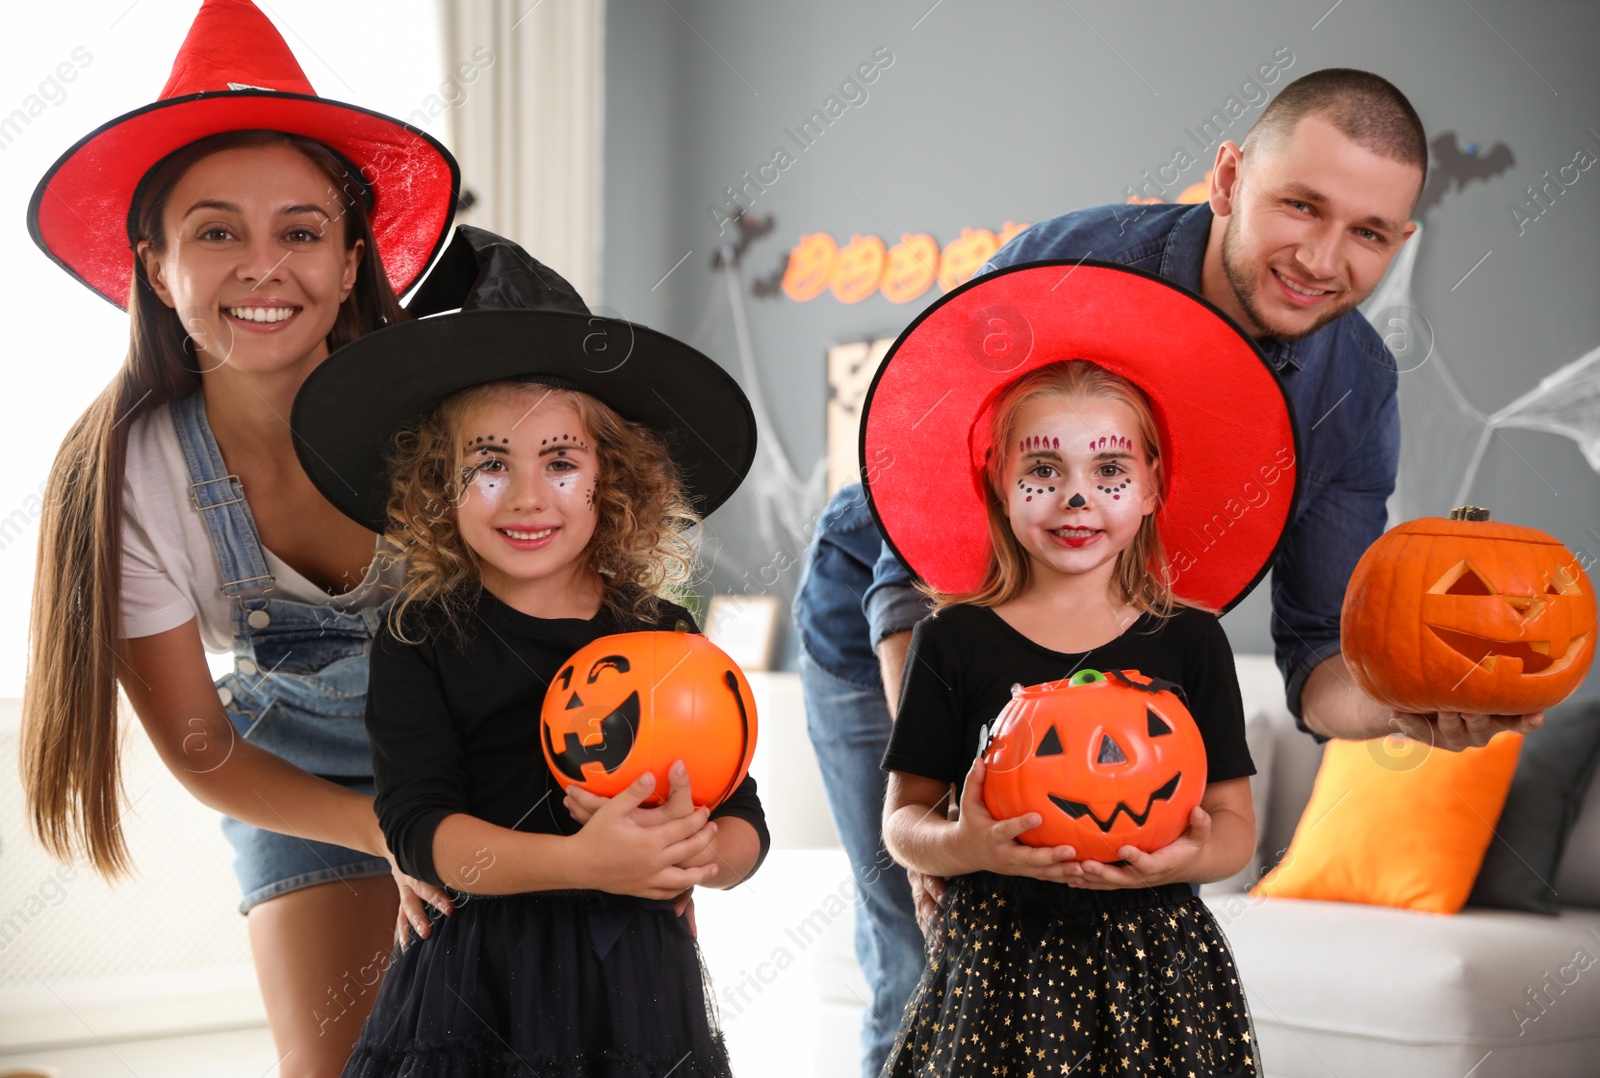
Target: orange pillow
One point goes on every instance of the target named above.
(1393, 822)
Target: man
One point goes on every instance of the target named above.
(849, 724)
(1302, 222)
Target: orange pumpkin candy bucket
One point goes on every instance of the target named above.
(637, 702)
(1108, 760)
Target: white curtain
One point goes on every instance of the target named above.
(529, 128)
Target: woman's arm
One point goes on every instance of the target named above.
(167, 681)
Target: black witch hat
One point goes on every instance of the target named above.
(517, 320)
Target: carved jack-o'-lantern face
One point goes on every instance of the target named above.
(810, 266)
(912, 265)
(858, 269)
(1108, 760)
(964, 256)
(1468, 615)
(636, 702)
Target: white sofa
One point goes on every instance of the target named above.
(1339, 990)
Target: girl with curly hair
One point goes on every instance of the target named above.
(539, 503)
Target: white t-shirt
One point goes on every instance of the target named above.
(169, 571)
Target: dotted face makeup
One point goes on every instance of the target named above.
(1030, 491)
(1116, 491)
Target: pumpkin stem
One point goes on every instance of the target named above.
(1469, 512)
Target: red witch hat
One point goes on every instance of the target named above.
(236, 73)
(1228, 436)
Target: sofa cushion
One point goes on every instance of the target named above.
(1258, 734)
(1578, 881)
(1487, 978)
(1557, 763)
(1396, 823)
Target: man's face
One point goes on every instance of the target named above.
(1313, 221)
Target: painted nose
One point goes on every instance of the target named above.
(1078, 501)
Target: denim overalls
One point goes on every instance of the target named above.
(299, 683)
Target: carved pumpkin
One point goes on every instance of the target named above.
(1196, 192)
(1468, 615)
(858, 269)
(1107, 759)
(965, 255)
(636, 702)
(1009, 231)
(810, 266)
(912, 265)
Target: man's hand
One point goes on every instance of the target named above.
(927, 895)
(1454, 731)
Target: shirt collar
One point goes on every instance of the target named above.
(1181, 262)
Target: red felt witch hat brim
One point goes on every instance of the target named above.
(1227, 431)
(234, 72)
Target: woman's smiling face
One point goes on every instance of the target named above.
(1078, 485)
(528, 473)
(253, 258)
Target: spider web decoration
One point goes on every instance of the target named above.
(1443, 434)
(1439, 425)
(776, 508)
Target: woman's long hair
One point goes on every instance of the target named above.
(1140, 576)
(640, 550)
(70, 759)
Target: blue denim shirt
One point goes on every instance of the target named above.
(1343, 389)
(827, 602)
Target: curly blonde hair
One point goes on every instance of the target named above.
(640, 551)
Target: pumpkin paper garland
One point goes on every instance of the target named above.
(1107, 759)
(637, 702)
(1468, 615)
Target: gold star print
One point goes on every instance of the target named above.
(1139, 953)
(1017, 934)
(1036, 990)
(1073, 972)
(1120, 986)
(1076, 1025)
(1245, 1036)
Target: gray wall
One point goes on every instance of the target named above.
(1007, 110)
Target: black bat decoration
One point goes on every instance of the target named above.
(1452, 168)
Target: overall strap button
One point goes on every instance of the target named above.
(259, 619)
(246, 666)
(225, 694)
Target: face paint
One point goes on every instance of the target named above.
(1030, 491)
(532, 517)
(560, 470)
(1115, 491)
(1074, 505)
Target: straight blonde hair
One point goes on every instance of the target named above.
(1139, 577)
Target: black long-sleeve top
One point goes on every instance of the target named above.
(454, 723)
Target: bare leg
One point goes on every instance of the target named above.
(320, 953)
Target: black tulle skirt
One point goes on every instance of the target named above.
(1025, 976)
(548, 984)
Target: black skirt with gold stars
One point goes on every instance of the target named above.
(1028, 978)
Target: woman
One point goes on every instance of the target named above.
(267, 227)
